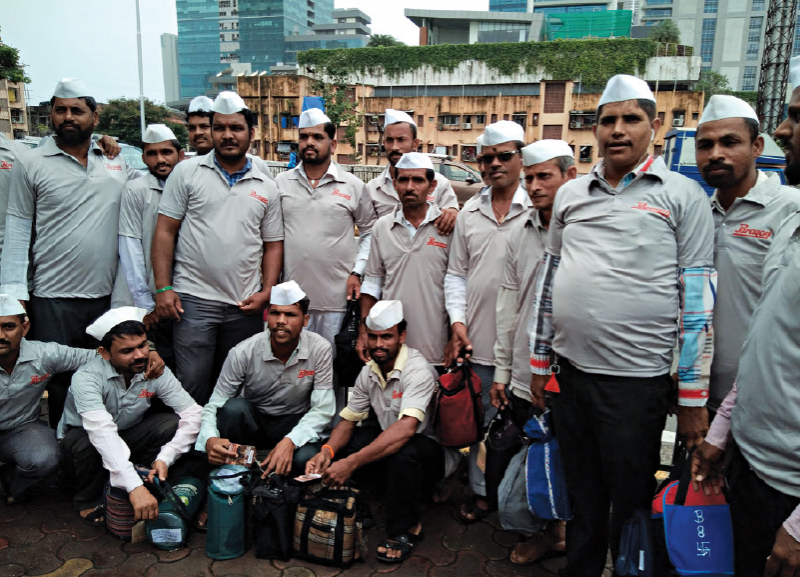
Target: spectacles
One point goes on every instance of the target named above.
(502, 157)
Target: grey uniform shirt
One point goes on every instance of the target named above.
(764, 421)
(98, 386)
(75, 213)
(413, 272)
(742, 237)
(320, 249)
(9, 151)
(385, 199)
(138, 215)
(615, 293)
(220, 245)
(38, 362)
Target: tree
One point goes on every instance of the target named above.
(10, 67)
(712, 82)
(120, 118)
(377, 40)
(666, 32)
(339, 107)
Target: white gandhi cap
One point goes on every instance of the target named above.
(502, 131)
(312, 117)
(228, 103)
(794, 72)
(722, 106)
(9, 306)
(394, 116)
(543, 150)
(623, 87)
(384, 315)
(112, 318)
(158, 133)
(287, 293)
(201, 104)
(71, 88)
(414, 160)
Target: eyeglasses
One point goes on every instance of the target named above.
(502, 157)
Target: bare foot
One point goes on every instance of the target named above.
(530, 551)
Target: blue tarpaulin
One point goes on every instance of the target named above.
(313, 102)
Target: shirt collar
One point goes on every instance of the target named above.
(25, 352)
(399, 365)
(110, 373)
(153, 182)
(650, 167)
(333, 172)
(433, 213)
(520, 199)
(535, 220)
(241, 172)
(50, 148)
(762, 193)
(300, 352)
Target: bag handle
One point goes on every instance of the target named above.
(686, 479)
(168, 493)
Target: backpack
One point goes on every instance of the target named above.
(635, 547)
(459, 408)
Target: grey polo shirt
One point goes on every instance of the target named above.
(320, 250)
(75, 213)
(138, 215)
(21, 391)
(413, 270)
(9, 151)
(385, 199)
(220, 245)
(98, 386)
(615, 293)
(764, 421)
(742, 237)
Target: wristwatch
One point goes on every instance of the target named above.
(358, 276)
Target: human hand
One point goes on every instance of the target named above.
(168, 305)
(279, 459)
(498, 395)
(692, 425)
(255, 303)
(145, 506)
(155, 366)
(150, 319)
(446, 221)
(110, 147)
(217, 452)
(319, 463)
(353, 284)
(361, 345)
(338, 473)
(784, 560)
(707, 468)
(458, 341)
(538, 383)
(159, 468)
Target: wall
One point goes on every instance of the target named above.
(13, 128)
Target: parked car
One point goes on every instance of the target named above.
(466, 181)
(133, 156)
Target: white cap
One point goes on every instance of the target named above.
(201, 104)
(158, 133)
(414, 160)
(312, 117)
(722, 106)
(112, 318)
(502, 131)
(794, 72)
(9, 306)
(543, 150)
(394, 116)
(71, 88)
(479, 144)
(286, 293)
(623, 87)
(384, 315)
(228, 103)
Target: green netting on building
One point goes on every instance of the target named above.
(603, 24)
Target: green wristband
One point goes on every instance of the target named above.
(165, 289)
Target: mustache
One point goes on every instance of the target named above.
(717, 164)
(378, 350)
(5, 342)
(620, 143)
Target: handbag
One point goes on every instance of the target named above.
(274, 502)
(171, 528)
(459, 408)
(547, 486)
(513, 498)
(347, 363)
(503, 442)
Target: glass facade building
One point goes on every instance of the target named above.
(508, 5)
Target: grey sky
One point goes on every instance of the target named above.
(95, 40)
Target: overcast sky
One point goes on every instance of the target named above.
(95, 40)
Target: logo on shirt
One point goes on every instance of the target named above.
(745, 230)
(433, 242)
(36, 379)
(257, 196)
(4, 165)
(397, 394)
(305, 373)
(341, 194)
(145, 394)
(113, 166)
(430, 198)
(643, 206)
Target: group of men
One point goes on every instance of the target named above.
(598, 279)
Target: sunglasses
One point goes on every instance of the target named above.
(502, 157)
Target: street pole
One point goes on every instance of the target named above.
(141, 74)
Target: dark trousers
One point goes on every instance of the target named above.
(609, 431)
(64, 321)
(757, 512)
(207, 331)
(82, 462)
(161, 336)
(32, 450)
(239, 421)
(406, 478)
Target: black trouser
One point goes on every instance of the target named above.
(81, 460)
(497, 461)
(161, 336)
(239, 421)
(406, 478)
(757, 511)
(64, 321)
(609, 431)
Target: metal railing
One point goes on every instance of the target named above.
(362, 171)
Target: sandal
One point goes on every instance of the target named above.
(470, 512)
(201, 522)
(96, 517)
(404, 543)
(530, 551)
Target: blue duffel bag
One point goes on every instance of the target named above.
(547, 486)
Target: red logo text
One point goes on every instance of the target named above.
(745, 230)
(660, 211)
(113, 166)
(430, 198)
(257, 196)
(36, 379)
(397, 394)
(337, 193)
(5, 165)
(145, 394)
(433, 242)
(305, 373)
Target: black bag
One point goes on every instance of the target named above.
(636, 547)
(274, 502)
(503, 441)
(347, 364)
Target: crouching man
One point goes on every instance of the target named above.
(394, 450)
(275, 390)
(104, 430)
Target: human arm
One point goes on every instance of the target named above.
(168, 303)
(506, 311)
(340, 436)
(17, 241)
(540, 329)
(706, 458)
(131, 258)
(109, 146)
(446, 222)
(365, 218)
(448, 203)
(271, 265)
(371, 289)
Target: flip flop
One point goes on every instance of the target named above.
(470, 507)
(97, 517)
(404, 543)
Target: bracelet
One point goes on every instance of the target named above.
(165, 289)
(329, 448)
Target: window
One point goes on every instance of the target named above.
(796, 47)
(657, 150)
(710, 6)
(13, 95)
(585, 154)
(505, 117)
(754, 37)
(707, 39)
(468, 154)
(480, 119)
(420, 120)
(457, 173)
(695, 116)
(16, 115)
(678, 117)
(222, 37)
(449, 119)
(520, 118)
(749, 78)
(344, 159)
(535, 119)
(758, 6)
(661, 116)
(494, 118)
(224, 3)
(552, 131)
(554, 94)
(658, 13)
(658, 2)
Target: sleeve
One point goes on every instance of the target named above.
(185, 436)
(365, 218)
(364, 244)
(697, 289)
(455, 298)
(358, 405)
(168, 388)
(16, 250)
(87, 392)
(373, 286)
(175, 198)
(272, 221)
(131, 172)
(61, 358)
(418, 394)
(375, 269)
(694, 231)
(103, 434)
(792, 524)
(131, 258)
(447, 198)
(556, 228)
(720, 429)
(228, 384)
(130, 214)
(503, 347)
(540, 329)
(310, 427)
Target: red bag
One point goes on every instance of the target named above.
(459, 413)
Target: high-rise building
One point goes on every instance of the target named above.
(169, 62)
(349, 29)
(558, 6)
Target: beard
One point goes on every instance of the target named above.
(317, 160)
(73, 138)
(792, 172)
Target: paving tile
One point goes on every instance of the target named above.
(477, 537)
(553, 564)
(3, 543)
(39, 557)
(195, 565)
(297, 572)
(316, 570)
(72, 524)
(103, 552)
(12, 513)
(73, 568)
(468, 563)
(11, 570)
(197, 540)
(136, 564)
(247, 564)
(506, 539)
(170, 556)
(508, 569)
(24, 530)
(414, 566)
(432, 549)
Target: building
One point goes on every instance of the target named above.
(169, 62)
(559, 6)
(13, 117)
(349, 29)
(471, 27)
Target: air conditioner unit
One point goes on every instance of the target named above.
(677, 122)
(575, 124)
(466, 125)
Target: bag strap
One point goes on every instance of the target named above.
(168, 493)
(476, 407)
(686, 479)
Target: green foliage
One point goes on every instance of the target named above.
(712, 82)
(340, 108)
(666, 32)
(120, 118)
(749, 96)
(10, 68)
(383, 40)
(595, 61)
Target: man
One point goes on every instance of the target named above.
(408, 260)
(788, 133)
(161, 152)
(476, 259)
(103, 431)
(628, 260)
(748, 207)
(399, 138)
(275, 390)
(322, 203)
(397, 453)
(71, 194)
(548, 164)
(228, 254)
(9, 151)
